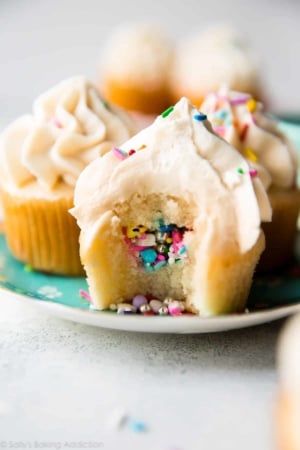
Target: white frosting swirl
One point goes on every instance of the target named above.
(70, 126)
(239, 119)
(178, 155)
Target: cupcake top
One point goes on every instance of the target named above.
(69, 127)
(289, 357)
(240, 120)
(205, 61)
(138, 56)
(177, 156)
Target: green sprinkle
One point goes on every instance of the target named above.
(167, 111)
(240, 170)
(28, 268)
(106, 104)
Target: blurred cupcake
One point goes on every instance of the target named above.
(134, 70)
(288, 403)
(239, 119)
(41, 157)
(207, 60)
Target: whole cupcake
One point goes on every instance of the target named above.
(240, 120)
(135, 67)
(205, 61)
(41, 158)
(173, 212)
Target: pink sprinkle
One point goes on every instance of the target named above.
(85, 295)
(175, 308)
(253, 173)
(119, 153)
(176, 236)
(56, 122)
(220, 130)
(240, 100)
(161, 257)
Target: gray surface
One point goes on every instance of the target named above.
(62, 382)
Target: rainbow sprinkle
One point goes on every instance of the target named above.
(253, 173)
(249, 154)
(239, 100)
(200, 117)
(156, 247)
(84, 294)
(244, 132)
(167, 111)
(119, 153)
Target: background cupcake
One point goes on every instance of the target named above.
(41, 157)
(135, 67)
(205, 61)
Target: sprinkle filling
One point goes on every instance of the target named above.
(156, 247)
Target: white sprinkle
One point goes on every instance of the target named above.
(117, 418)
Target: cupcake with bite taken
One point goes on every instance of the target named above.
(172, 213)
(42, 155)
(240, 120)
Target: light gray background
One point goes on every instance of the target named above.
(42, 42)
(61, 381)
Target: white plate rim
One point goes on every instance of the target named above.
(155, 324)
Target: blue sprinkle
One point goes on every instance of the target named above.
(182, 250)
(137, 426)
(221, 114)
(160, 264)
(148, 255)
(200, 117)
(148, 267)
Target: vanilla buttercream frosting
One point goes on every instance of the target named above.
(70, 126)
(205, 61)
(240, 120)
(178, 155)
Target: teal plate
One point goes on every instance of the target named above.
(272, 297)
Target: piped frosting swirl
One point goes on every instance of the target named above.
(70, 126)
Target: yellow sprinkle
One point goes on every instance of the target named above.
(132, 231)
(249, 154)
(142, 229)
(251, 105)
(142, 146)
